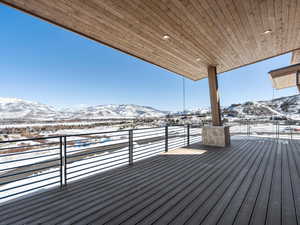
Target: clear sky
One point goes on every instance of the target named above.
(42, 62)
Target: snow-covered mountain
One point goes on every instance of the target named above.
(13, 108)
(290, 104)
(115, 111)
(283, 107)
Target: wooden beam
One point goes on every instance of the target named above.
(214, 96)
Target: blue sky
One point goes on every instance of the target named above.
(42, 62)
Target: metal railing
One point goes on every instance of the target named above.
(269, 128)
(31, 165)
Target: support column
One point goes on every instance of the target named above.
(215, 135)
(214, 96)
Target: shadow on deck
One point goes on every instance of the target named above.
(255, 181)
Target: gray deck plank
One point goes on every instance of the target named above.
(131, 193)
(246, 193)
(218, 200)
(294, 160)
(288, 203)
(74, 207)
(260, 209)
(169, 210)
(78, 188)
(274, 214)
(256, 199)
(236, 192)
(41, 197)
(255, 181)
(87, 194)
(141, 194)
(163, 196)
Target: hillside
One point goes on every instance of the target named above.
(13, 108)
(282, 107)
(115, 111)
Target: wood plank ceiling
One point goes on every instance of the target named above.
(225, 33)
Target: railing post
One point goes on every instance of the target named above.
(276, 129)
(130, 147)
(275, 123)
(166, 138)
(248, 128)
(63, 160)
(188, 135)
(276, 135)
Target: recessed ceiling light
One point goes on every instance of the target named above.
(166, 37)
(198, 59)
(268, 31)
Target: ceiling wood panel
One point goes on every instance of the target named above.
(225, 33)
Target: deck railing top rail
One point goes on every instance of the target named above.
(81, 134)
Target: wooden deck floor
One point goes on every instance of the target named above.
(252, 182)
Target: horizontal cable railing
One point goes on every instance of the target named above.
(31, 165)
(269, 128)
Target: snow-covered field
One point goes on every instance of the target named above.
(86, 155)
(52, 124)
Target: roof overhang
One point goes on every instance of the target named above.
(181, 36)
(295, 57)
(286, 77)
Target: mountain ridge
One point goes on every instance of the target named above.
(15, 108)
(288, 106)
